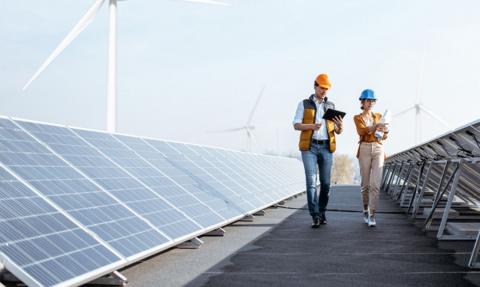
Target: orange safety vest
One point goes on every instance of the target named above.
(309, 116)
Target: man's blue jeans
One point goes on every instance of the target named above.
(318, 160)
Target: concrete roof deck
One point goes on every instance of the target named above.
(281, 249)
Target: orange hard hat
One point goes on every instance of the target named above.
(322, 81)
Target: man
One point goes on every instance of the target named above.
(317, 144)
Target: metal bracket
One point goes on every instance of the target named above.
(400, 195)
(473, 263)
(260, 213)
(416, 201)
(113, 279)
(7, 276)
(216, 232)
(439, 195)
(451, 195)
(193, 243)
(397, 181)
(405, 188)
(385, 176)
(417, 187)
(389, 181)
(247, 218)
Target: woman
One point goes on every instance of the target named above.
(370, 154)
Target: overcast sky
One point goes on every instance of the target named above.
(185, 69)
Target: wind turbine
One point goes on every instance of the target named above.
(112, 52)
(418, 107)
(248, 127)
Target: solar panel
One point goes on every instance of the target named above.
(267, 171)
(157, 181)
(41, 244)
(267, 181)
(73, 192)
(194, 165)
(243, 171)
(178, 168)
(232, 177)
(138, 198)
(218, 177)
(263, 183)
(77, 204)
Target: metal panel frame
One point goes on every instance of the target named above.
(452, 167)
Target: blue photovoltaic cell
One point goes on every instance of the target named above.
(178, 170)
(114, 180)
(215, 177)
(223, 173)
(244, 171)
(237, 205)
(250, 191)
(71, 191)
(269, 170)
(42, 242)
(270, 175)
(157, 182)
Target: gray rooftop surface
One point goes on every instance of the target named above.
(281, 249)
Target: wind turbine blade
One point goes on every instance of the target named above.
(404, 111)
(433, 115)
(77, 29)
(250, 117)
(228, 130)
(212, 2)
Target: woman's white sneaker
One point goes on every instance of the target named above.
(372, 222)
(365, 217)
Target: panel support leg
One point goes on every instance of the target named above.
(247, 218)
(113, 279)
(194, 243)
(216, 232)
(453, 189)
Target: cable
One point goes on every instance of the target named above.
(341, 210)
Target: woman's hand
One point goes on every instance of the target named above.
(384, 128)
(379, 127)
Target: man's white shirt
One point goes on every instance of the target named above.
(321, 133)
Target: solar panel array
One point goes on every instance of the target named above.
(438, 175)
(77, 204)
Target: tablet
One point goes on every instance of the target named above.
(331, 113)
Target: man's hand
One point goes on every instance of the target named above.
(307, 127)
(316, 127)
(338, 121)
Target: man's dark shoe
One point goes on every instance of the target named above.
(323, 219)
(316, 222)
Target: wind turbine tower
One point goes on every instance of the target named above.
(112, 52)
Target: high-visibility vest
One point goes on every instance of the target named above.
(309, 115)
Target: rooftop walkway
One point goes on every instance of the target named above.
(345, 252)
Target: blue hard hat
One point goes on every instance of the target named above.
(367, 95)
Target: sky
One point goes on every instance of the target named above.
(187, 69)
